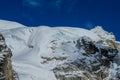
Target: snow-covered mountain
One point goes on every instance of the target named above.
(46, 53)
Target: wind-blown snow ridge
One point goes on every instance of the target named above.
(4, 24)
(31, 46)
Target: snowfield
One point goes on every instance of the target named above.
(31, 45)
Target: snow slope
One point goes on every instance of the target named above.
(30, 45)
(103, 34)
(9, 25)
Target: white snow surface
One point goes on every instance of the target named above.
(102, 33)
(9, 25)
(29, 44)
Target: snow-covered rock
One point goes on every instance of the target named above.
(45, 53)
(102, 33)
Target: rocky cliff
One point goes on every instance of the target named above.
(93, 62)
(6, 71)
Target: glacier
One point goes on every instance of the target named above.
(38, 50)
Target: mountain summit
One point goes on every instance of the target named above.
(62, 53)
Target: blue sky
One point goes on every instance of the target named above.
(76, 13)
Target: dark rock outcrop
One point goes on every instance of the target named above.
(6, 71)
(93, 64)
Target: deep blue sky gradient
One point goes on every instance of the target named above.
(75, 13)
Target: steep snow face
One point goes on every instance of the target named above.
(37, 50)
(103, 34)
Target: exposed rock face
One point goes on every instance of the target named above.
(6, 71)
(93, 65)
